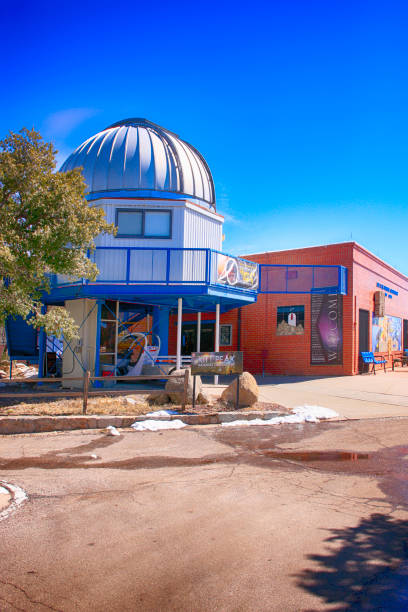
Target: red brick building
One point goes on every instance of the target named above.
(312, 334)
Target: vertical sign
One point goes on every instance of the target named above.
(326, 345)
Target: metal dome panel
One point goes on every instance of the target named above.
(135, 155)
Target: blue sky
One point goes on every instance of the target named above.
(299, 107)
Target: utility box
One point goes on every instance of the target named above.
(379, 304)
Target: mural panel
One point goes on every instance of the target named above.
(387, 334)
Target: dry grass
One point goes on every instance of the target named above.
(96, 405)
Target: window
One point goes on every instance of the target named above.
(290, 321)
(133, 223)
(225, 335)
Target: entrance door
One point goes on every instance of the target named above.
(363, 330)
(405, 334)
(363, 336)
(189, 338)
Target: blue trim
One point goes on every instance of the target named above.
(41, 350)
(161, 327)
(132, 194)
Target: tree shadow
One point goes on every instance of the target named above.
(364, 568)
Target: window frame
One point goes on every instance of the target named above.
(230, 334)
(142, 236)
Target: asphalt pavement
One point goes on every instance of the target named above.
(292, 517)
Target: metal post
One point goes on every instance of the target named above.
(185, 394)
(42, 353)
(85, 391)
(237, 399)
(198, 332)
(116, 337)
(179, 326)
(217, 335)
(194, 390)
(42, 347)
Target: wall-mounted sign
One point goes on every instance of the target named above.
(237, 272)
(388, 290)
(230, 362)
(326, 329)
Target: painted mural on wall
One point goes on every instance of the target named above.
(326, 329)
(237, 272)
(387, 334)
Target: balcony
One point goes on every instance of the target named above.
(140, 270)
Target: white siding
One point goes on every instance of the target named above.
(201, 230)
(191, 229)
(111, 264)
(148, 266)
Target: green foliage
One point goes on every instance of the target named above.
(46, 227)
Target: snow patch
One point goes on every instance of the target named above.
(318, 412)
(19, 497)
(160, 413)
(300, 414)
(152, 425)
(112, 431)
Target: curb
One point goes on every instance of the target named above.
(42, 424)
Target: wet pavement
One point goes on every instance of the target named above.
(292, 517)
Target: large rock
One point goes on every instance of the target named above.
(248, 391)
(159, 398)
(202, 398)
(175, 387)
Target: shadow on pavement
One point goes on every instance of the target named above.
(365, 568)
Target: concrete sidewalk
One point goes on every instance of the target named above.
(353, 397)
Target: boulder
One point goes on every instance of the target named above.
(159, 398)
(202, 398)
(248, 391)
(175, 387)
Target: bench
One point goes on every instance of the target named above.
(368, 358)
(401, 358)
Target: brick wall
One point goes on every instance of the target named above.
(284, 355)
(368, 271)
(263, 348)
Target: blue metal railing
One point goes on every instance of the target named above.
(167, 266)
(276, 278)
(133, 266)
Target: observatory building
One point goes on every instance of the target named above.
(166, 289)
(166, 256)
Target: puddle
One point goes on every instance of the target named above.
(247, 447)
(310, 456)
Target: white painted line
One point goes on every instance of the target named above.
(19, 497)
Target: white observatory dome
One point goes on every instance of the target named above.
(137, 158)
